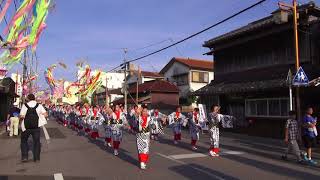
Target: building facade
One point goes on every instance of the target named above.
(251, 68)
(188, 74)
(142, 77)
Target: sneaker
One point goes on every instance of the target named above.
(312, 162)
(194, 148)
(115, 152)
(24, 160)
(213, 154)
(175, 142)
(109, 144)
(283, 157)
(143, 165)
(305, 157)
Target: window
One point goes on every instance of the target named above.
(200, 77)
(195, 76)
(270, 107)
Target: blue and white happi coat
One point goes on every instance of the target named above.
(176, 123)
(156, 123)
(143, 136)
(116, 126)
(195, 125)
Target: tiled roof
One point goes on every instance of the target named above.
(196, 64)
(155, 86)
(151, 74)
(254, 79)
(262, 24)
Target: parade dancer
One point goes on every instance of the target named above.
(96, 120)
(107, 114)
(176, 120)
(157, 119)
(117, 121)
(86, 119)
(78, 124)
(143, 138)
(194, 127)
(215, 118)
(133, 118)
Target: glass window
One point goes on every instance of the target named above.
(262, 108)
(251, 108)
(267, 107)
(202, 77)
(206, 77)
(285, 107)
(274, 107)
(195, 76)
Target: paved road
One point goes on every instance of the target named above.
(70, 157)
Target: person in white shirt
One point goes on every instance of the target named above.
(33, 116)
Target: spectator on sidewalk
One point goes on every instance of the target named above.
(310, 134)
(33, 117)
(291, 137)
(13, 117)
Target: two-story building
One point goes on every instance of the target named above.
(142, 77)
(188, 74)
(251, 67)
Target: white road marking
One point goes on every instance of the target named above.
(200, 155)
(46, 134)
(231, 152)
(195, 168)
(188, 156)
(58, 176)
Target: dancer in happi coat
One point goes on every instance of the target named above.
(117, 121)
(157, 120)
(107, 114)
(96, 120)
(67, 112)
(176, 120)
(133, 119)
(194, 122)
(86, 118)
(78, 124)
(214, 120)
(143, 137)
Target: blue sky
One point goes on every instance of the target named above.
(97, 30)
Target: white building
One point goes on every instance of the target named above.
(188, 74)
(144, 77)
(18, 80)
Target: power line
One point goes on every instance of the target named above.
(195, 34)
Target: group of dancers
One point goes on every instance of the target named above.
(109, 122)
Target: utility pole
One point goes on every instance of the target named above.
(125, 79)
(24, 76)
(107, 93)
(296, 45)
(137, 90)
(293, 7)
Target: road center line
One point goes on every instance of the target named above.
(58, 176)
(195, 168)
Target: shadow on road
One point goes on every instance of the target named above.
(123, 154)
(195, 171)
(293, 173)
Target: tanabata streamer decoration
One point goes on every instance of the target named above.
(49, 78)
(86, 83)
(32, 15)
(26, 90)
